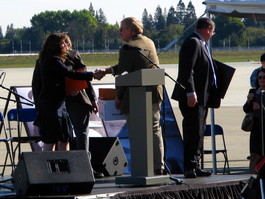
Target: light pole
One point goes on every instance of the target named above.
(83, 44)
(93, 45)
(248, 43)
(21, 46)
(29, 46)
(13, 47)
(229, 42)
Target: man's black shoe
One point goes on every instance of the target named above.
(201, 173)
(98, 174)
(190, 174)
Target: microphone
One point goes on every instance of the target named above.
(128, 47)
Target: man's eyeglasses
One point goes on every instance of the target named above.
(261, 77)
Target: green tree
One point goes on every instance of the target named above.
(180, 13)
(159, 20)
(229, 30)
(255, 36)
(82, 27)
(5, 46)
(171, 16)
(113, 40)
(101, 17)
(99, 38)
(190, 16)
(89, 29)
(52, 21)
(1, 33)
(253, 23)
(10, 33)
(91, 9)
(145, 18)
(14, 37)
(35, 36)
(172, 32)
(147, 21)
(151, 22)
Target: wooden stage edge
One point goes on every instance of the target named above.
(106, 187)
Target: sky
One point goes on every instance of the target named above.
(19, 12)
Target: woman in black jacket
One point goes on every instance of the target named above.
(253, 104)
(48, 85)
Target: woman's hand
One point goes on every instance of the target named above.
(74, 93)
(95, 107)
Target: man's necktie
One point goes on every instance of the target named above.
(211, 60)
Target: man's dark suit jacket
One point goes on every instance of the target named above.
(195, 72)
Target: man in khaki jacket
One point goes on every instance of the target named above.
(130, 60)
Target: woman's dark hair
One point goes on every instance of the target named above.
(52, 46)
(257, 79)
(262, 57)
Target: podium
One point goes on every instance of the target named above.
(140, 125)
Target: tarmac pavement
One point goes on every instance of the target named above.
(229, 115)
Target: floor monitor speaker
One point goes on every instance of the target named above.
(53, 173)
(107, 155)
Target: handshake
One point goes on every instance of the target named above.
(99, 73)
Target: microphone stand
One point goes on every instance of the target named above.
(159, 68)
(15, 101)
(31, 103)
(1, 126)
(16, 94)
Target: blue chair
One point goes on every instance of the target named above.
(20, 116)
(219, 133)
(6, 141)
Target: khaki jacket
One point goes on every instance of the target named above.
(133, 60)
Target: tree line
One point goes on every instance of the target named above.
(90, 31)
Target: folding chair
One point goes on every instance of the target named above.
(5, 140)
(218, 130)
(20, 116)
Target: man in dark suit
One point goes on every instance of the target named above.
(198, 81)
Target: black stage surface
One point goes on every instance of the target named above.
(225, 186)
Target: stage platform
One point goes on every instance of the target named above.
(106, 188)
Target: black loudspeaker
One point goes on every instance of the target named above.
(53, 173)
(107, 155)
